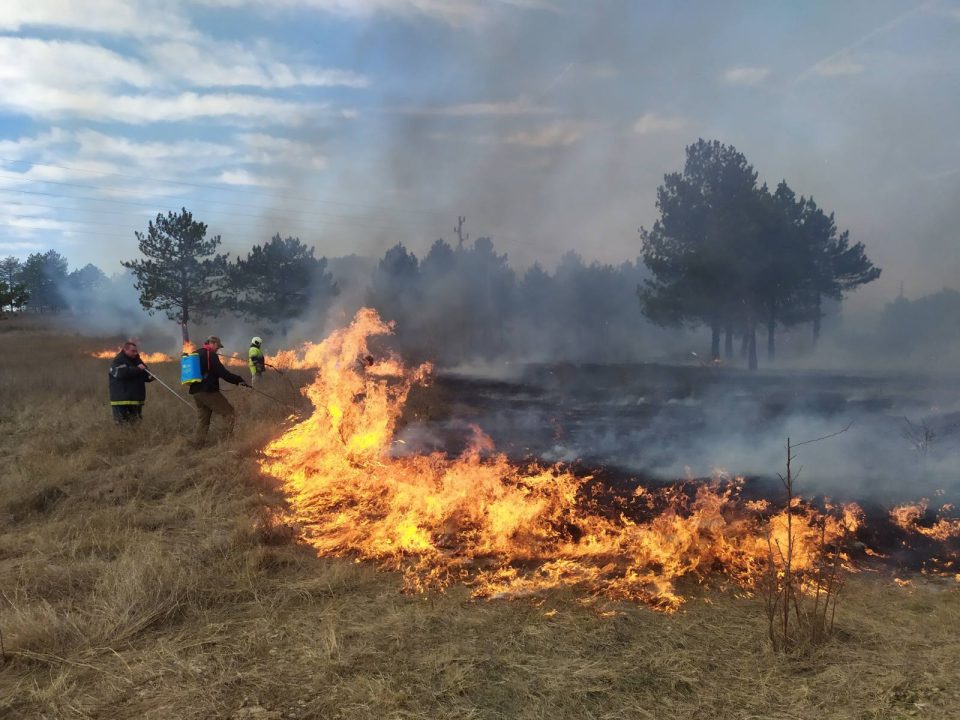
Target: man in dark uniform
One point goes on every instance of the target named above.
(206, 393)
(128, 384)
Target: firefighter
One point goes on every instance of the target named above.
(206, 393)
(128, 385)
(256, 360)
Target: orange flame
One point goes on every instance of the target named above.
(148, 358)
(502, 529)
(908, 517)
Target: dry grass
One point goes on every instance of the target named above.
(140, 579)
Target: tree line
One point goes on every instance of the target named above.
(43, 283)
(463, 302)
(182, 275)
(725, 252)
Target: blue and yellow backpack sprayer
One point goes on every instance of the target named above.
(190, 368)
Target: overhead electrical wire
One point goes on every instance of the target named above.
(300, 222)
(180, 200)
(200, 206)
(223, 188)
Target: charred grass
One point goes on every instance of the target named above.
(141, 579)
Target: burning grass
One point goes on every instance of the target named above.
(140, 579)
(506, 530)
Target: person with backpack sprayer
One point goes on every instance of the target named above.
(202, 371)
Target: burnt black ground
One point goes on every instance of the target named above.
(657, 423)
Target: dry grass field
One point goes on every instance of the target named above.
(141, 579)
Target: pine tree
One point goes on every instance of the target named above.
(181, 273)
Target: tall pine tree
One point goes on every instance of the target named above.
(181, 274)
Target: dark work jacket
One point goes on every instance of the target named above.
(212, 371)
(127, 381)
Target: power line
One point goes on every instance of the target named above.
(219, 188)
(371, 222)
(179, 200)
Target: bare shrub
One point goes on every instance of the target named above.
(801, 594)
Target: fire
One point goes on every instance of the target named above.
(188, 347)
(233, 360)
(148, 358)
(307, 356)
(908, 517)
(502, 529)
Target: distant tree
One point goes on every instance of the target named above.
(10, 282)
(20, 297)
(6, 296)
(440, 260)
(836, 267)
(83, 286)
(10, 270)
(929, 325)
(87, 279)
(278, 280)
(181, 274)
(43, 276)
(487, 284)
(695, 248)
(731, 255)
(395, 292)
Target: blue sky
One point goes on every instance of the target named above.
(355, 124)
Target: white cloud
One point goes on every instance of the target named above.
(39, 223)
(263, 149)
(29, 146)
(20, 247)
(454, 12)
(652, 123)
(837, 65)
(53, 79)
(508, 108)
(743, 75)
(140, 18)
(37, 100)
(552, 135)
(244, 177)
(94, 145)
(66, 64)
(228, 65)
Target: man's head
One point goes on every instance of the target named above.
(256, 341)
(213, 343)
(130, 349)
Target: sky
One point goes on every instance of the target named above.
(548, 124)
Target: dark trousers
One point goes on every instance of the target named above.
(207, 404)
(124, 414)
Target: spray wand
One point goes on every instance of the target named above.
(297, 410)
(174, 392)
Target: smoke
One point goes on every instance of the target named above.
(900, 436)
(109, 307)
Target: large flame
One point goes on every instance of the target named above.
(502, 529)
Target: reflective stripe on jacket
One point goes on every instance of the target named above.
(255, 360)
(128, 383)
